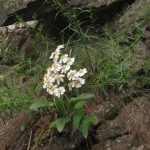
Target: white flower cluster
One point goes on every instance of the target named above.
(60, 69)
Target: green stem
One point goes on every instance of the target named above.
(82, 39)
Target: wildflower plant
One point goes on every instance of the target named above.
(60, 72)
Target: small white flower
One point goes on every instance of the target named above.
(49, 71)
(81, 72)
(56, 67)
(65, 68)
(52, 55)
(55, 58)
(63, 58)
(59, 47)
(71, 75)
(59, 78)
(79, 82)
(71, 85)
(52, 89)
(49, 88)
(53, 77)
(59, 91)
(70, 61)
(46, 82)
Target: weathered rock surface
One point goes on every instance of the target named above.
(133, 18)
(29, 7)
(131, 124)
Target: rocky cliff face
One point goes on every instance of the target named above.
(121, 125)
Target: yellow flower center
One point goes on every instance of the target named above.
(47, 78)
(54, 65)
(62, 57)
(47, 81)
(53, 75)
(58, 46)
(55, 52)
(48, 87)
(64, 66)
(69, 59)
(54, 58)
(48, 69)
(59, 90)
(59, 77)
(78, 81)
(70, 84)
(52, 53)
(53, 88)
(80, 71)
(71, 73)
(44, 82)
(45, 75)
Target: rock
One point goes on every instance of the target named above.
(25, 7)
(133, 120)
(13, 45)
(94, 3)
(133, 16)
(120, 143)
(4, 69)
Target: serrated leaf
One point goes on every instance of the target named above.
(53, 124)
(85, 126)
(38, 104)
(93, 119)
(79, 105)
(60, 123)
(22, 127)
(76, 119)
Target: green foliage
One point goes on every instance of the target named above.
(60, 123)
(85, 126)
(22, 127)
(75, 110)
(78, 114)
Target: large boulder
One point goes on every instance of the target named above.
(42, 8)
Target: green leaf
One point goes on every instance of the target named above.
(74, 100)
(38, 104)
(93, 119)
(76, 119)
(22, 127)
(85, 126)
(60, 123)
(60, 105)
(76, 92)
(53, 124)
(69, 104)
(79, 105)
(50, 103)
(82, 96)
